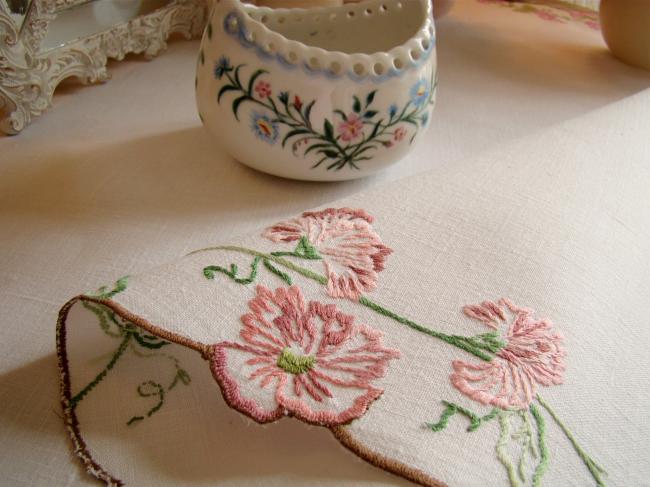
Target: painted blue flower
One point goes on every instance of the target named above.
(222, 67)
(264, 128)
(420, 93)
(232, 23)
(392, 110)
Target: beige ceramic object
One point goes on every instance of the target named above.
(626, 29)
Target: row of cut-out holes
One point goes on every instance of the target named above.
(350, 14)
(335, 67)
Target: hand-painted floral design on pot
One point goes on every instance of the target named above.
(307, 360)
(348, 137)
(352, 252)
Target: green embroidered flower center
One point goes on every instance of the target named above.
(295, 364)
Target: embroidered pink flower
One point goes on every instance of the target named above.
(351, 251)
(351, 129)
(305, 360)
(533, 355)
(263, 89)
(400, 133)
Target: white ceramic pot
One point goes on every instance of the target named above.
(322, 94)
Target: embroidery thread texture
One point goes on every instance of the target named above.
(533, 354)
(314, 361)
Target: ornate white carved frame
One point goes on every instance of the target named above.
(28, 76)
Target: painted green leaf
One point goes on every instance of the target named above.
(254, 77)
(293, 133)
(357, 104)
(308, 111)
(316, 147)
(225, 89)
(236, 103)
(342, 114)
(370, 97)
(329, 130)
(330, 153)
(370, 114)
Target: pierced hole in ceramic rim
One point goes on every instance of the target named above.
(379, 69)
(336, 68)
(359, 69)
(398, 64)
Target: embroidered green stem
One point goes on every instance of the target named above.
(480, 345)
(111, 363)
(474, 345)
(596, 470)
(295, 364)
(542, 466)
(451, 409)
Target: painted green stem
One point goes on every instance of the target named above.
(596, 470)
(478, 346)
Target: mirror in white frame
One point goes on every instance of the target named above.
(43, 42)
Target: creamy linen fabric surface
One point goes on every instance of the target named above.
(557, 222)
(120, 177)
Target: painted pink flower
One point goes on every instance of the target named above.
(533, 355)
(400, 133)
(351, 128)
(351, 251)
(305, 360)
(263, 89)
(593, 24)
(548, 15)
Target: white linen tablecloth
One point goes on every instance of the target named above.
(120, 177)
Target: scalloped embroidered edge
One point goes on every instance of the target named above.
(93, 468)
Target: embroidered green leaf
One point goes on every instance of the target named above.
(306, 250)
(451, 409)
(120, 286)
(282, 275)
(515, 447)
